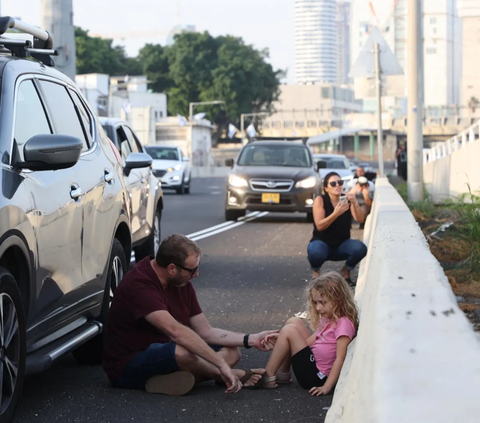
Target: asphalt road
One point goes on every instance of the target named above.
(252, 277)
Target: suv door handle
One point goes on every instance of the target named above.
(108, 176)
(76, 192)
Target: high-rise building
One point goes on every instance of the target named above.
(469, 12)
(343, 41)
(57, 19)
(442, 41)
(315, 41)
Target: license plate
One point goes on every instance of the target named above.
(270, 198)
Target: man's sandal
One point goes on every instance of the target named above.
(263, 383)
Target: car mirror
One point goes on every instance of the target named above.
(229, 162)
(51, 152)
(321, 164)
(136, 161)
(185, 159)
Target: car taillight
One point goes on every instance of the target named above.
(115, 151)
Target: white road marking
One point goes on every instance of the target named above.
(217, 229)
(227, 228)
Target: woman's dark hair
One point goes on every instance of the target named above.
(175, 249)
(327, 178)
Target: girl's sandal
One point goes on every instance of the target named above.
(265, 383)
(283, 378)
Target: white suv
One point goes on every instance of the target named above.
(171, 166)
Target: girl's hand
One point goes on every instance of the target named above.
(317, 391)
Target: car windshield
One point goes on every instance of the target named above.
(162, 153)
(274, 155)
(334, 162)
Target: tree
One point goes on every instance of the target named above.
(97, 55)
(154, 62)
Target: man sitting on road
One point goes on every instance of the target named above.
(158, 339)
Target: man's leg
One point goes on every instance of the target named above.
(203, 370)
(318, 253)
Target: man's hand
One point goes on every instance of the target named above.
(257, 340)
(269, 341)
(321, 390)
(231, 380)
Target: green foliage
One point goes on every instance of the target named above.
(468, 210)
(196, 68)
(97, 55)
(424, 209)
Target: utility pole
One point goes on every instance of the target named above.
(378, 77)
(415, 100)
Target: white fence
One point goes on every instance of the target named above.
(416, 358)
(453, 144)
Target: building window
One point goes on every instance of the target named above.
(431, 50)
(433, 20)
(434, 30)
(161, 114)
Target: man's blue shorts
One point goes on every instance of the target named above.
(157, 359)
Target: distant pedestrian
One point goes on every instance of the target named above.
(158, 338)
(402, 161)
(316, 359)
(331, 228)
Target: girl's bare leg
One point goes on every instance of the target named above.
(285, 366)
(289, 342)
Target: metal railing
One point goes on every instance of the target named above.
(444, 149)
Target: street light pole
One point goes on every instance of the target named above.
(378, 77)
(415, 101)
(192, 105)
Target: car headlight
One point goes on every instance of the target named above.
(236, 181)
(307, 183)
(176, 167)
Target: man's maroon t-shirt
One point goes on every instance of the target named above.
(139, 294)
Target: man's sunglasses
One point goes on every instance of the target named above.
(192, 271)
(333, 184)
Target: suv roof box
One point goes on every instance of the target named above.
(41, 49)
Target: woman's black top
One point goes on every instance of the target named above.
(338, 231)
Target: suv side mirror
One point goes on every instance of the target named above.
(322, 164)
(50, 152)
(136, 161)
(229, 162)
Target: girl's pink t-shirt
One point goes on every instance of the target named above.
(325, 346)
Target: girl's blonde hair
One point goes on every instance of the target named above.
(334, 288)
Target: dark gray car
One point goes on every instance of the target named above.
(272, 176)
(65, 216)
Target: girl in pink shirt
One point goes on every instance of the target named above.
(316, 359)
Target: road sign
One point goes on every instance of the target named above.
(365, 64)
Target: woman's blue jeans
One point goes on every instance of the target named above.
(351, 250)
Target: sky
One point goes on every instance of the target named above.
(262, 23)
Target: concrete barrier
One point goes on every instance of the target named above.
(210, 172)
(416, 358)
(449, 176)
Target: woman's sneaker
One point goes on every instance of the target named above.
(177, 383)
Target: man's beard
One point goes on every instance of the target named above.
(176, 282)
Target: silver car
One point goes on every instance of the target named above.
(65, 213)
(171, 166)
(335, 163)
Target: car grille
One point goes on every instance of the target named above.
(159, 173)
(272, 185)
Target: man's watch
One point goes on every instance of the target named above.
(245, 341)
